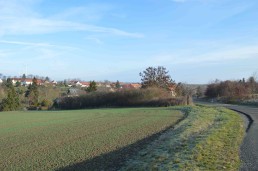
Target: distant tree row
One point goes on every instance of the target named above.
(156, 88)
(35, 96)
(14, 96)
(24, 76)
(147, 97)
(233, 90)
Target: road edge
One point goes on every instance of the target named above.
(250, 119)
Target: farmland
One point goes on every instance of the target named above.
(75, 139)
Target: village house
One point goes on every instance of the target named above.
(136, 85)
(15, 80)
(26, 81)
(172, 89)
(1, 81)
(74, 83)
(99, 84)
(78, 84)
(48, 83)
(85, 84)
(108, 85)
(53, 83)
(131, 86)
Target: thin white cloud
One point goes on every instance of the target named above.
(94, 39)
(92, 28)
(35, 44)
(41, 26)
(91, 12)
(217, 56)
(24, 43)
(17, 18)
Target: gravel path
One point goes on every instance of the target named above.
(249, 148)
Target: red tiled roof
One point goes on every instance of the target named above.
(136, 85)
(85, 83)
(127, 86)
(27, 80)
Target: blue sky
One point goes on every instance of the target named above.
(196, 40)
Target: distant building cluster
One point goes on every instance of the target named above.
(111, 85)
(104, 86)
(75, 83)
(78, 84)
(75, 87)
(29, 81)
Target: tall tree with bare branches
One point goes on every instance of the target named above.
(156, 77)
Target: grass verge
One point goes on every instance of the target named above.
(208, 139)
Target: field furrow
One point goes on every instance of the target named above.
(53, 140)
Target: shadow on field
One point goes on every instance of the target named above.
(115, 159)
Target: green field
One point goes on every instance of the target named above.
(54, 140)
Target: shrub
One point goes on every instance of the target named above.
(125, 98)
(228, 91)
(46, 103)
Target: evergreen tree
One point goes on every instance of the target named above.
(32, 93)
(18, 84)
(47, 79)
(118, 84)
(65, 83)
(23, 77)
(92, 87)
(11, 102)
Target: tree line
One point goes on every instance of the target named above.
(233, 91)
(157, 89)
(33, 96)
(13, 102)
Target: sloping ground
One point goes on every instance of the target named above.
(208, 139)
(78, 139)
(249, 148)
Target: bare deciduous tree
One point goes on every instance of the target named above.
(156, 77)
